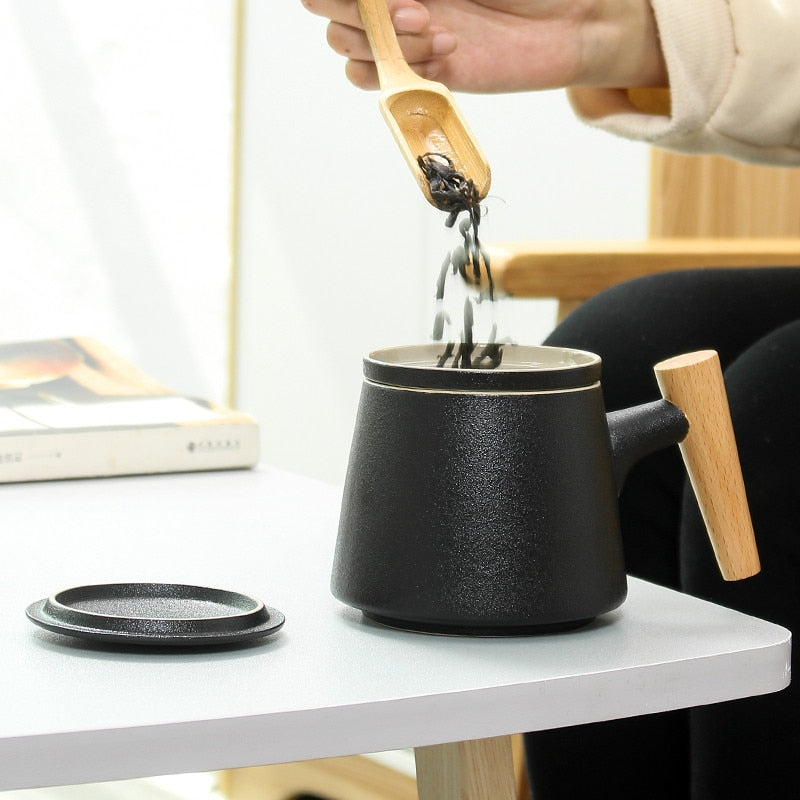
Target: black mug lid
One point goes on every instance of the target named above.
(523, 368)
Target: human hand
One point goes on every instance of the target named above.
(508, 45)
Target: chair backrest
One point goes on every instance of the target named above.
(711, 196)
(705, 211)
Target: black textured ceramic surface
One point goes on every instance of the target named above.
(165, 614)
(480, 512)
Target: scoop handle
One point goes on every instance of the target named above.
(393, 70)
(694, 383)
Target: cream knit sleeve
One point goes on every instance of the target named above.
(734, 72)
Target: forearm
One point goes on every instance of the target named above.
(621, 46)
(734, 74)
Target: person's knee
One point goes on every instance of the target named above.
(763, 387)
(630, 326)
(634, 324)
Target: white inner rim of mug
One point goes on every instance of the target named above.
(516, 358)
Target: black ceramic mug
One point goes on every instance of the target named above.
(483, 501)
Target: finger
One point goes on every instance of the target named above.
(413, 18)
(417, 49)
(349, 42)
(408, 16)
(342, 11)
(362, 74)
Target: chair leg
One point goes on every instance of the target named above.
(473, 770)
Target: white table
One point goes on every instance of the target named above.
(330, 683)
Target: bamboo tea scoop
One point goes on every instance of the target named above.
(422, 114)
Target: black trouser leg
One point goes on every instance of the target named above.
(751, 748)
(632, 327)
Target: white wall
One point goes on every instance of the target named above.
(340, 252)
(115, 135)
(115, 142)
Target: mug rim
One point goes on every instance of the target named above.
(523, 368)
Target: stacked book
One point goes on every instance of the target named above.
(72, 408)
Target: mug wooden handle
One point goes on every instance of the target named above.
(693, 382)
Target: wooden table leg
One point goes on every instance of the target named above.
(474, 770)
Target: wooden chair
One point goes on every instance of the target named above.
(705, 211)
(348, 778)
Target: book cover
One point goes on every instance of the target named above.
(72, 408)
